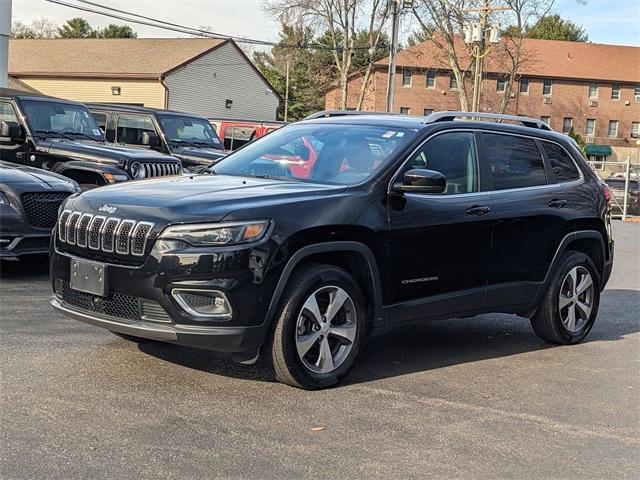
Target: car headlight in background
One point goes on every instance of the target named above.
(216, 234)
(3, 199)
(137, 171)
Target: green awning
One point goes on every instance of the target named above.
(593, 149)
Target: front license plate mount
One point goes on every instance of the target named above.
(88, 277)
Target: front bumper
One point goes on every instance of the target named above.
(221, 339)
(139, 300)
(18, 238)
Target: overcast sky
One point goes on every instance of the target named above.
(606, 21)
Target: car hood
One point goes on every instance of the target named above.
(203, 156)
(11, 174)
(197, 198)
(100, 152)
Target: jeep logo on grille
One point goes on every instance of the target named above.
(108, 208)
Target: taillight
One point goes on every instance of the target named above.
(607, 192)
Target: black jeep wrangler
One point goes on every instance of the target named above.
(62, 136)
(398, 219)
(188, 137)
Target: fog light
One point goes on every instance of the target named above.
(203, 303)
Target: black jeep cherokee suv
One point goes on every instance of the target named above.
(62, 136)
(398, 219)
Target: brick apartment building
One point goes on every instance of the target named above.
(593, 88)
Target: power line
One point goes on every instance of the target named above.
(161, 24)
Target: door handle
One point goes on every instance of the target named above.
(478, 210)
(557, 203)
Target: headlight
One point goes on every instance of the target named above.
(212, 234)
(137, 172)
(3, 199)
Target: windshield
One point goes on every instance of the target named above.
(194, 131)
(65, 120)
(325, 153)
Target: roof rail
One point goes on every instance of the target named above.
(497, 117)
(342, 113)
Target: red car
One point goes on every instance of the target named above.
(236, 133)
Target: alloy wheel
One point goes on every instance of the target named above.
(575, 302)
(326, 329)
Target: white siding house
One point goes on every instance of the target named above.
(222, 83)
(206, 76)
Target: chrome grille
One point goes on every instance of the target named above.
(106, 234)
(161, 169)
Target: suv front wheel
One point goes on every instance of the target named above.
(320, 328)
(570, 305)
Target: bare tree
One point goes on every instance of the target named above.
(442, 21)
(340, 20)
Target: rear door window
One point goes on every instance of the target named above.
(7, 114)
(514, 162)
(131, 127)
(563, 166)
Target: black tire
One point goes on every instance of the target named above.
(280, 350)
(547, 322)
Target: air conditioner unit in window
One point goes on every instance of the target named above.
(593, 103)
(546, 100)
(589, 140)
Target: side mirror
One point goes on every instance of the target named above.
(150, 139)
(421, 180)
(10, 130)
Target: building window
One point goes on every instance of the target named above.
(405, 110)
(546, 86)
(590, 127)
(636, 93)
(593, 90)
(453, 82)
(524, 86)
(635, 129)
(500, 84)
(431, 79)
(546, 120)
(406, 77)
(613, 128)
(615, 91)
(567, 124)
(428, 111)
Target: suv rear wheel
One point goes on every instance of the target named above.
(570, 305)
(320, 328)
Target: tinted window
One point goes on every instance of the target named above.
(101, 120)
(131, 128)
(7, 114)
(454, 155)
(515, 162)
(561, 163)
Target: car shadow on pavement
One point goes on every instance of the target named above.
(426, 346)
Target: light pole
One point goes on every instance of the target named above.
(5, 31)
(396, 9)
(286, 92)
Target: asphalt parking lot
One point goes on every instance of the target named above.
(475, 398)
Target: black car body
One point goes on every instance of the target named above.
(29, 203)
(62, 137)
(404, 242)
(187, 137)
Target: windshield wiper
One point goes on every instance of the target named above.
(46, 133)
(208, 144)
(83, 135)
(182, 142)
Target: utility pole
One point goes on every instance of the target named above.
(391, 80)
(476, 36)
(286, 92)
(5, 31)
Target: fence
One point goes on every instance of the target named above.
(623, 180)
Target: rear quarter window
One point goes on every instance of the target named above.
(563, 166)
